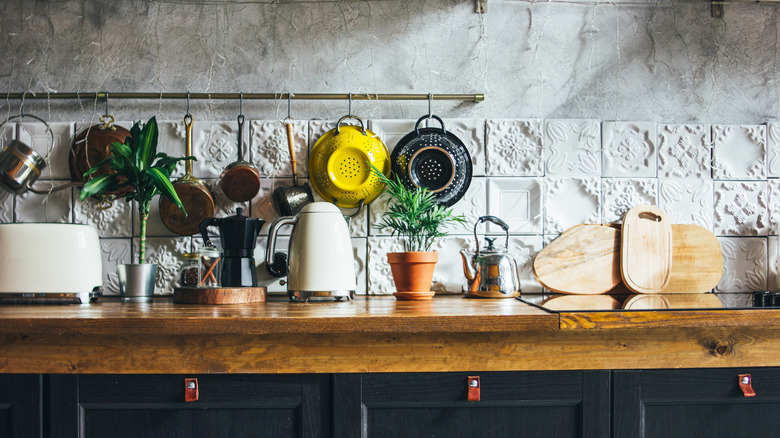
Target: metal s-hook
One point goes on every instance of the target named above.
(241, 104)
(188, 104)
(107, 120)
(349, 113)
(430, 105)
(289, 119)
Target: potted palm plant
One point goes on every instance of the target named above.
(139, 173)
(418, 220)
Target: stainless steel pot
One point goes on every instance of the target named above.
(20, 164)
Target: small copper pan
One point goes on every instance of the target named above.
(195, 197)
(240, 180)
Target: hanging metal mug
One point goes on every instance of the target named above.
(20, 164)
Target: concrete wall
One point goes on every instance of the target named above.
(661, 61)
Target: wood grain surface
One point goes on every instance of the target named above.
(584, 259)
(384, 352)
(646, 249)
(278, 315)
(375, 334)
(219, 295)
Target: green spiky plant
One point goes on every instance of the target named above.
(414, 215)
(136, 164)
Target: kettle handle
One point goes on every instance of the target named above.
(204, 228)
(276, 265)
(496, 221)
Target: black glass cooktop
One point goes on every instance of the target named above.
(611, 302)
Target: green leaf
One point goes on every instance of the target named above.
(97, 186)
(97, 166)
(146, 147)
(163, 183)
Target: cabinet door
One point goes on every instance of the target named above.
(155, 406)
(20, 405)
(512, 404)
(696, 403)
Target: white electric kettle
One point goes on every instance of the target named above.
(320, 261)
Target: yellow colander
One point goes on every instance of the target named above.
(338, 169)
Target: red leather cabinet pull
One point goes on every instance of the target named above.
(190, 390)
(473, 384)
(746, 385)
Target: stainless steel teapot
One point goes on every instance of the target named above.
(492, 272)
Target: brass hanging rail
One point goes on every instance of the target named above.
(248, 96)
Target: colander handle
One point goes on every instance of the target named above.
(361, 203)
(350, 116)
(431, 116)
(496, 221)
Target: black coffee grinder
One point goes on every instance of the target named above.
(238, 235)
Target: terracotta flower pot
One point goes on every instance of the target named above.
(413, 274)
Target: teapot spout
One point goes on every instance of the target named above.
(469, 270)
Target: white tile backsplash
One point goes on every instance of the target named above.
(518, 202)
(514, 147)
(628, 149)
(620, 194)
(741, 208)
(739, 151)
(572, 147)
(684, 151)
(540, 176)
(744, 264)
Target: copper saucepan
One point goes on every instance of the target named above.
(240, 179)
(194, 195)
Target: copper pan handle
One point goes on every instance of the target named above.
(188, 125)
(291, 147)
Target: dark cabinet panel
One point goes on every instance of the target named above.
(227, 406)
(696, 403)
(517, 404)
(20, 405)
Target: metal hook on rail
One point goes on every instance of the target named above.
(289, 118)
(430, 105)
(188, 104)
(241, 103)
(350, 105)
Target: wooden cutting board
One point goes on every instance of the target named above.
(646, 250)
(584, 260)
(697, 260)
(697, 264)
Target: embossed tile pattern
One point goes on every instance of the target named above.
(684, 151)
(744, 264)
(514, 148)
(559, 163)
(620, 194)
(741, 208)
(739, 151)
(687, 201)
(629, 149)
(572, 147)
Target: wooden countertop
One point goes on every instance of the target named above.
(376, 334)
(363, 315)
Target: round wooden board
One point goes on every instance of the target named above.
(220, 295)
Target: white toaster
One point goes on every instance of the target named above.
(48, 260)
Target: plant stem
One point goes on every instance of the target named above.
(142, 245)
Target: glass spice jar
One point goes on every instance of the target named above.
(188, 276)
(209, 266)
